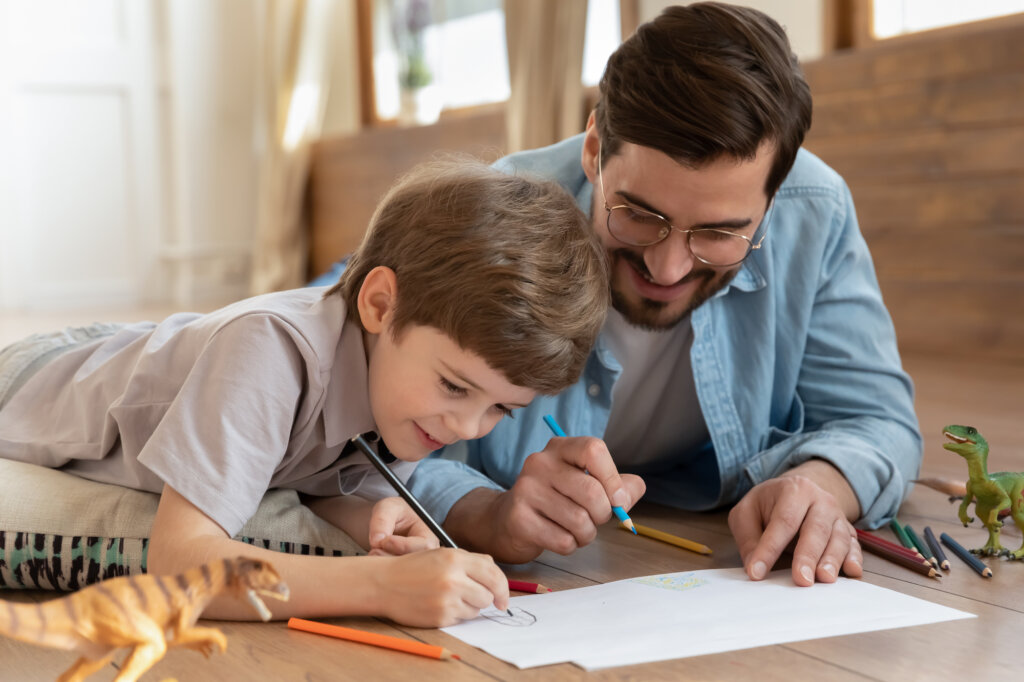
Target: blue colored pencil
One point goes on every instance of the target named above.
(618, 511)
(968, 558)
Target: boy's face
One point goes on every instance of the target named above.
(427, 392)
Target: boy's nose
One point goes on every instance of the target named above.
(466, 425)
(670, 260)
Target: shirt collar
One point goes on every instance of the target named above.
(347, 407)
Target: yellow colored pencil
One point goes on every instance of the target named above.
(670, 539)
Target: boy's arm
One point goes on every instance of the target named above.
(407, 589)
(388, 526)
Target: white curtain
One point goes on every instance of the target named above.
(545, 63)
(295, 72)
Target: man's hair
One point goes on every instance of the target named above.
(508, 267)
(704, 82)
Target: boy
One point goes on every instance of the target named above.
(472, 292)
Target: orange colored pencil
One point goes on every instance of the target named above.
(385, 641)
(523, 586)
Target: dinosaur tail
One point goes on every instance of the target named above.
(39, 623)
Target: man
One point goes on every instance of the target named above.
(749, 358)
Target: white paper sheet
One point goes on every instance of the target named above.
(676, 615)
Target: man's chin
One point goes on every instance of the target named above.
(650, 315)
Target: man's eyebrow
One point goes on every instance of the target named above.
(466, 380)
(734, 224)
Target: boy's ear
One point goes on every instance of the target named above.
(377, 297)
(591, 147)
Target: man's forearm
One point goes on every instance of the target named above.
(471, 521)
(831, 480)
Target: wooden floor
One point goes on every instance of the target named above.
(983, 395)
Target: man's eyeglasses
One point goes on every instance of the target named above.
(710, 245)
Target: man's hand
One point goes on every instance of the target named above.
(395, 529)
(811, 503)
(555, 504)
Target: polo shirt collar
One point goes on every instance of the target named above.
(347, 408)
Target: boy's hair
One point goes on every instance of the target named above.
(703, 82)
(508, 267)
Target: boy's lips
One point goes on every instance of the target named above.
(428, 440)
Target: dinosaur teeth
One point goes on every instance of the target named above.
(954, 437)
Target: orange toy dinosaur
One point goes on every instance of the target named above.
(145, 612)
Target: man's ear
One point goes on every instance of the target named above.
(591, 148)
(377, 297)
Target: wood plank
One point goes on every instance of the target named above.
(925, 152)
(987, 99)
(349, 174)
(983, 47)
(995, 200)
(958, 319)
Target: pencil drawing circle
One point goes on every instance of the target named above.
(520, 618)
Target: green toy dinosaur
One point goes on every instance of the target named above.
(991, 492)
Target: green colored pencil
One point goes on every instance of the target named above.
(901, 534)
(921, 547)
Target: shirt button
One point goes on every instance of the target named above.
(593, 390)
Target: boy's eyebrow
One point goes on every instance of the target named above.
(734, 224)
(466, 380)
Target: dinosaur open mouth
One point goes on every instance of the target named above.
(955, 438)
(253, 596)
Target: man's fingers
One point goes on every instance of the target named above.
(816, 539)
(592, 456)
(784, 523)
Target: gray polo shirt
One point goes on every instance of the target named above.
(264, 393)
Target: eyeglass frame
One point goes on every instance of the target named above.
(751, 246)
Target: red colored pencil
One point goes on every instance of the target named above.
(922, 567)
(523, 586)
(866, 538)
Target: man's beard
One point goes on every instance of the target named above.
(654, 315)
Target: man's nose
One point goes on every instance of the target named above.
(670, 260)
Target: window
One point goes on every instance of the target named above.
(895, 17)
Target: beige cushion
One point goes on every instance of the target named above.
(59, 531)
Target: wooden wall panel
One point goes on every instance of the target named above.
(928, 131)
(350, 174)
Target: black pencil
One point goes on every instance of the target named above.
(400, 488)
(936, 548)
(968, 558)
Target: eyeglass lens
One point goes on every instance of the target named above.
(640, 228)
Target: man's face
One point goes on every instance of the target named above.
(656, 286)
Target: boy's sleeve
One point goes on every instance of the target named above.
(223, 436)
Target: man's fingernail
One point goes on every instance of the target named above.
(808, 573)
(829, 569)
(758, 570)
(620, 498)
(377, 537)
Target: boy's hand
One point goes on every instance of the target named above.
(555, 504)
(440, 587)
(809, 508)
(395, 529)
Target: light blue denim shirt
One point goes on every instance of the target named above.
(795, 359)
